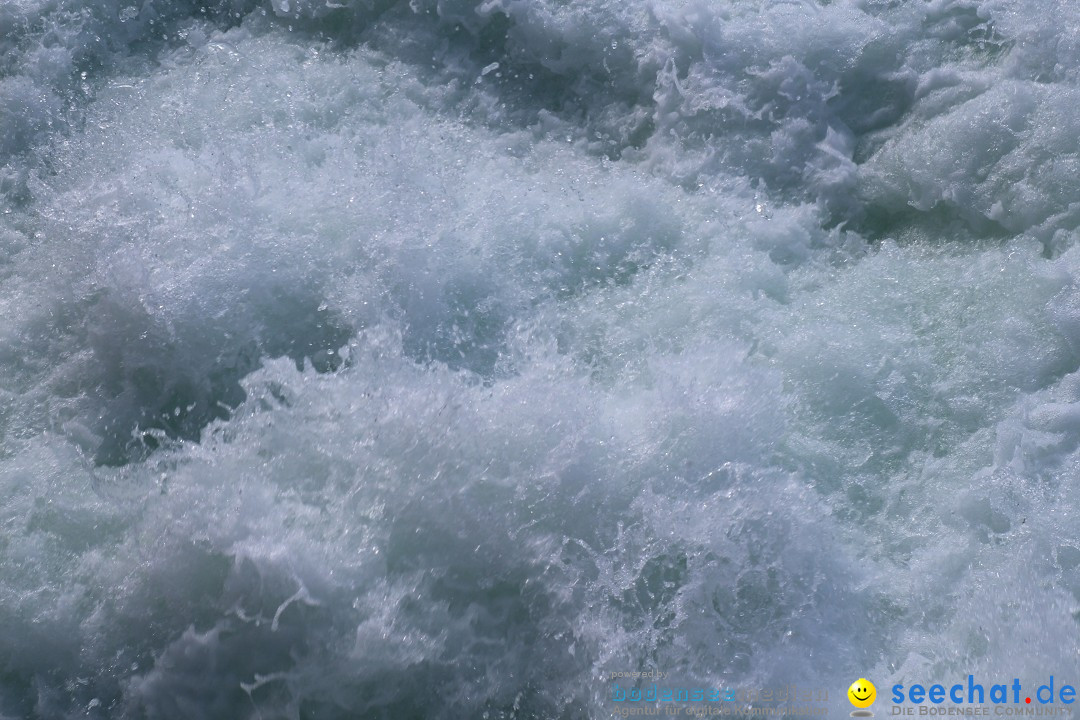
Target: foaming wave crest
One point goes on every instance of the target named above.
(440, 359)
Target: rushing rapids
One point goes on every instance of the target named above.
(447, 359)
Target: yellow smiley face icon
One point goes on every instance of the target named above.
(862, 693)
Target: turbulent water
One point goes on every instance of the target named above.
(438, 359)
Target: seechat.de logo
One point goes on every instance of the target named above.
(862, 694)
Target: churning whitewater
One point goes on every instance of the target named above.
(447, 359)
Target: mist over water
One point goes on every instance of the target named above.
(373, 359)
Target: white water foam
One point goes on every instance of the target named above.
(439, 359)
